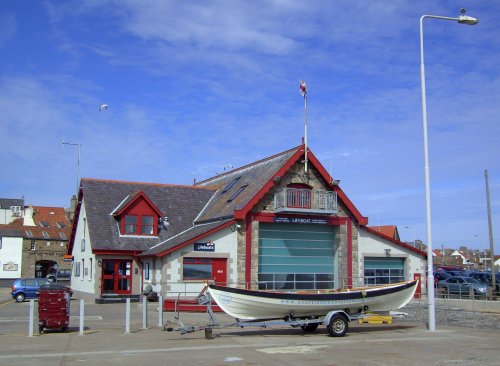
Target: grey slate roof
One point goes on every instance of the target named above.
(205, 205)
(6, 203)
(101, 197)
(7, 231)
(255, 175)
(184, 237)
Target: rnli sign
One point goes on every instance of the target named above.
(300, 220)
(209, 246)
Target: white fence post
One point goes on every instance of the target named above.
(160, 310)
(82, 316)
(32, 313)
(144, 312)
(127, 316)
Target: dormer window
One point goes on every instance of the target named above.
(137, 215)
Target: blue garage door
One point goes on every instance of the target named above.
(296, 256)
(380, 271)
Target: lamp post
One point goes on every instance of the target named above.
(77, 163)
(414, 237)
(462, 19)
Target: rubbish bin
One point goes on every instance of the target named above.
(53, 307)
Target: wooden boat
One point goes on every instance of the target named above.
(264, 305)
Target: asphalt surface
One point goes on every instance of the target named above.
(104, 341)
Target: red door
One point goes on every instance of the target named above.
(418, 291)
(116, 276)
(219, 268)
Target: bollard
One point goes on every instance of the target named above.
(127, 316)
(82, 316)
(144, 312)
(32, 313)
(160, 310)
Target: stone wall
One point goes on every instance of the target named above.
(45, 250)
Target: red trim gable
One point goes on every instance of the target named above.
(241, 214)
(136, 197)
(397, 242)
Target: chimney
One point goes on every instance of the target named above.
(28, 216)
(72, 208)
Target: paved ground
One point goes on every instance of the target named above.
(104, 341)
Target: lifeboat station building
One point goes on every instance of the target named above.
(272, 224)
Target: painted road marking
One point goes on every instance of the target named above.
(260, 346)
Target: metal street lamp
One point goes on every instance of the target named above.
(462, 19)
(77, 163)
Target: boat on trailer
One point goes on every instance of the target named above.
(250, 305)
(304, 309)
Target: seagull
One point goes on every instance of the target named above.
(103, 107)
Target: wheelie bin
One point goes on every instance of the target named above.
(53, 308)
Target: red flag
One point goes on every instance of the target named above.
(302, 88)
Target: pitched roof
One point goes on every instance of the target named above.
(397, 242)
(187, 237)
(257, 179)
(254, 176)
(49, 220)
(101, 198)
(387, 230)
(6, 203)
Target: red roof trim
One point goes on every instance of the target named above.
(138, 195)
(362, 220)
(397, 242)
(240, 214)
(191, 241)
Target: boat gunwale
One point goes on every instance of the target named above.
(365, 292)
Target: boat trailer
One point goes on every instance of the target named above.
(336, 321)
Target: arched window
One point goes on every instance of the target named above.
(298, 195)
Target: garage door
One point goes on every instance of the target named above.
(381, 270)
(296, 256)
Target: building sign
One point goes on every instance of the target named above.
(209, 246)
(300, 220)
(10, 266)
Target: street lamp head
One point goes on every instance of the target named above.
(465, 19)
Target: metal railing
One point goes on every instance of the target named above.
(304, 200)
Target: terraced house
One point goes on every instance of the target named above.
(33, 239)
(271, 224)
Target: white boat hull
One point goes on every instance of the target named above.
(259, 305)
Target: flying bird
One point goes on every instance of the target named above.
(103, 107)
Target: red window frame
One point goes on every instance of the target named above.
(140, 227)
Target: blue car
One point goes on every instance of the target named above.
(27, 288)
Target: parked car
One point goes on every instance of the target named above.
(455, 272)
(485, 278)
(440, 276)
(27, 288)
(464, 286)
(59, 275)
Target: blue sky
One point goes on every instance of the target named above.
(193, 86)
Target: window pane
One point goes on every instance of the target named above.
(147, 225)
(197, 271)
(129, 219)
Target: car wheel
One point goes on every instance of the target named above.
(20, 297)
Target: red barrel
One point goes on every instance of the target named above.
(53, 308)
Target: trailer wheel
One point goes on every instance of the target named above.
(310, 327)
(337, 327)
(40, 329)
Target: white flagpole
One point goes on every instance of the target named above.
(305, 131)
(303, 91)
